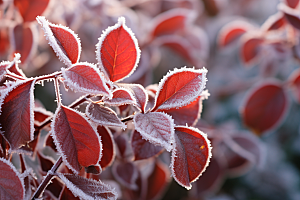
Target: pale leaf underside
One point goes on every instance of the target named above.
(156, 127)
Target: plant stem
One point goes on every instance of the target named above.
(46, 180)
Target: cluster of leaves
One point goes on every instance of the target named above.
(83, 140)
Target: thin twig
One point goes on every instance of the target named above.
(48, 177)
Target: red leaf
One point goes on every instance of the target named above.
(264, 107)
(4, 40)
(103, 115)
(157, 128)
(139, 93)
(179, 88)
(117, 51)
(169, 22)
(85, 77)
(188, 114)
(76, 140)
(63, 40)
(142, 148)
(292, 3)
(250, 49)
(107, 146)
(126, 174)
(121, 96)
(191, 155)
(274, 22)
(30, 9)
(180, 46)
(46, 163)
(123, 146)
(23, 40)
(291, 15)
(232, 31)
(16, 117)
(157, 181)
(294, 81)
(11, 184)
(87, 188)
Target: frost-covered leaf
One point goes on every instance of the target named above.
(117, 51)
(85, 77)
(232, 31)
(139, 94)
(156, 127)
(88, 189)
(188, 114)
(63, 40)
(75, 139)
(264, 107)
(11, 184)
(291, 15)
(190, 156)
(121, 96)
(294, 82)
(16, 117)
(126, 174)
(274, 22)
(179, 88)
(143, 149)
(103, 115)
(67, 194)
(250, 49)
(30, 9)
(23, 40)
(170, 22)
(108, 147)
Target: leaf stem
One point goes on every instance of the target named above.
(56, 85)
(48, 177)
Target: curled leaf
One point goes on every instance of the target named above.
(85, 77)
(103, 115)
(191, 155)
(63, 40)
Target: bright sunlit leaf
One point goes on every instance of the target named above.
(191, 155)
(117, 51)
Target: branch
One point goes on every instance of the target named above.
(46, 180)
